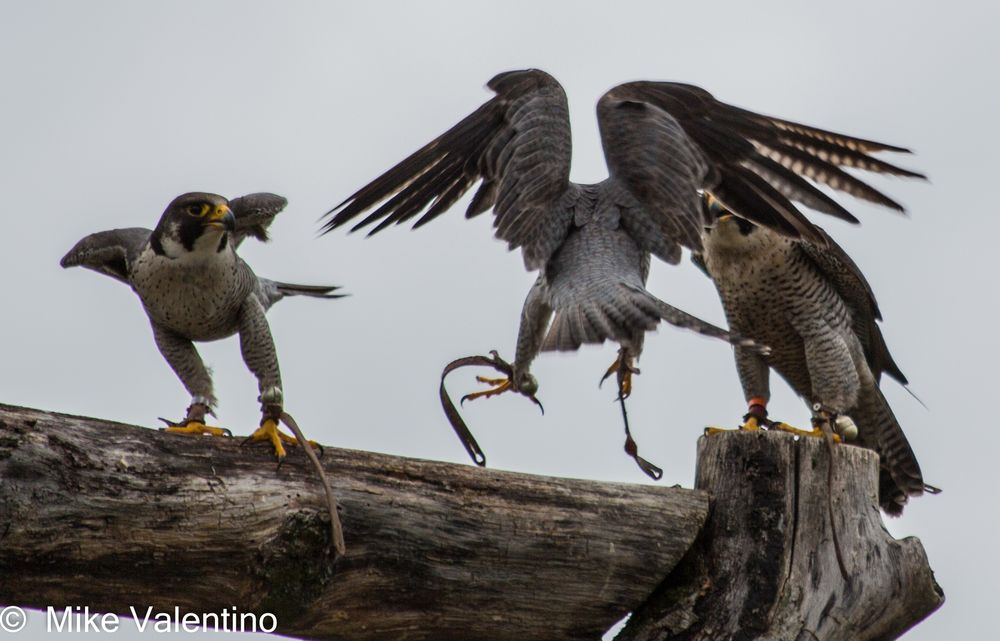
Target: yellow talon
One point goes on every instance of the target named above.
(814, 432)
(268, 431)
(750, 425)
(626, 390)
(501, 385)
(197, 427)
(624, 368)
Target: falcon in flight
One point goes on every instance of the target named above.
(811, 304)
(194, 287)
(664, 143)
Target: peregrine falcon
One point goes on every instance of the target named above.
(194, 287)
(663, 142)
(811, 304)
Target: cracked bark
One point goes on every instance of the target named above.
(764, 567)
(109, 516)
(106, 515)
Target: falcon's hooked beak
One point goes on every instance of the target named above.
(221, 218)
(725, 221)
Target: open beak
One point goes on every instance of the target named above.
(221, 218)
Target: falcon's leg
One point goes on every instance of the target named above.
(259, 354)
(835, 382)
(755, 378)
(535, 317)
(624, 367)
(183, 358)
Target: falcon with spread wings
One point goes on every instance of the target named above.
(664, 143)
(194, 287)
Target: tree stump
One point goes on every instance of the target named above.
(764, 566)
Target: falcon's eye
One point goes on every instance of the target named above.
(198, 210)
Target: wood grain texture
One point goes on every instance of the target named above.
(764, 566)
(110, 515)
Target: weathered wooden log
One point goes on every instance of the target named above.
(764, 566)
(109, 516)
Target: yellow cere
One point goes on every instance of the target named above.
(219, 213)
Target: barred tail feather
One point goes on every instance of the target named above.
(899, 474)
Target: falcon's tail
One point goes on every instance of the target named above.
(899, 472)
(624, 315)
(274, 291)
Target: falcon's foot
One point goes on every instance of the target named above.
(527, 386)
(194, 427)
(624, 367)
(500, 385)
(269, 432)
(815, 432)
(194, 422)
(751, 423)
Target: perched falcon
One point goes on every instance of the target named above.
(811, 304)
(194, 287)
(663, 143)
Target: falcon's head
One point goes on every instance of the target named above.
(724, 230)
(194, 224)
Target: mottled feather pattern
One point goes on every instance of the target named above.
(841, 270)
(812, 306)
(201, 291)
(665, 144)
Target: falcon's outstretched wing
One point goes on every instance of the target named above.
(653, 131)
(518, 144)
(254, 214)
(111, 252)
(846, 277)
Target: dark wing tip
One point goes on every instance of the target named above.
(76, 255)
(331, 218)
(520, 80)
(70, 259)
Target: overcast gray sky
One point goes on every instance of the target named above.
(113, 108)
